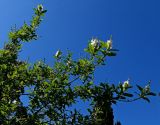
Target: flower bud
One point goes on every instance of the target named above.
(147, 89)
(14, 101)
(109, 42)
(125, 85)
(69, 64)
(58, 54)
(40, 8)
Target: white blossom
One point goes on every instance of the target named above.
(68, 63)
(40, 7)
(14, 101)
(147, 88)
(109, 42)
(58, 54)
(94, 42)
(125, 84)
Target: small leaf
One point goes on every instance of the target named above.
(111, 54)
(44, 11)
(145, 98)
(128, 94)
(140, 88)
(151, 93)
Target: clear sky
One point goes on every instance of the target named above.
(69, 24)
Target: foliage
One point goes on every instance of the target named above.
(53, 90)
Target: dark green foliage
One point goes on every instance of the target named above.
(52, 90)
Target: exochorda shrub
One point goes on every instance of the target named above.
(51, 90)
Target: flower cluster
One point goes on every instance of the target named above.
(95, 43)
(126, 85)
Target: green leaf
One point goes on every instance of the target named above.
(44, 11)
(146, 99)
(128, 94)
(111, 54)
(151, 93)
(140, 88)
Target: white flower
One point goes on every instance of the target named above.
(14, 101)
(40, 7)
(94, 42)
(109, 42)
(147, 88)
(125, 84)
(68, 63)
(58, 54)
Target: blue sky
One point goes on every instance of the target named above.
(69, 24)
